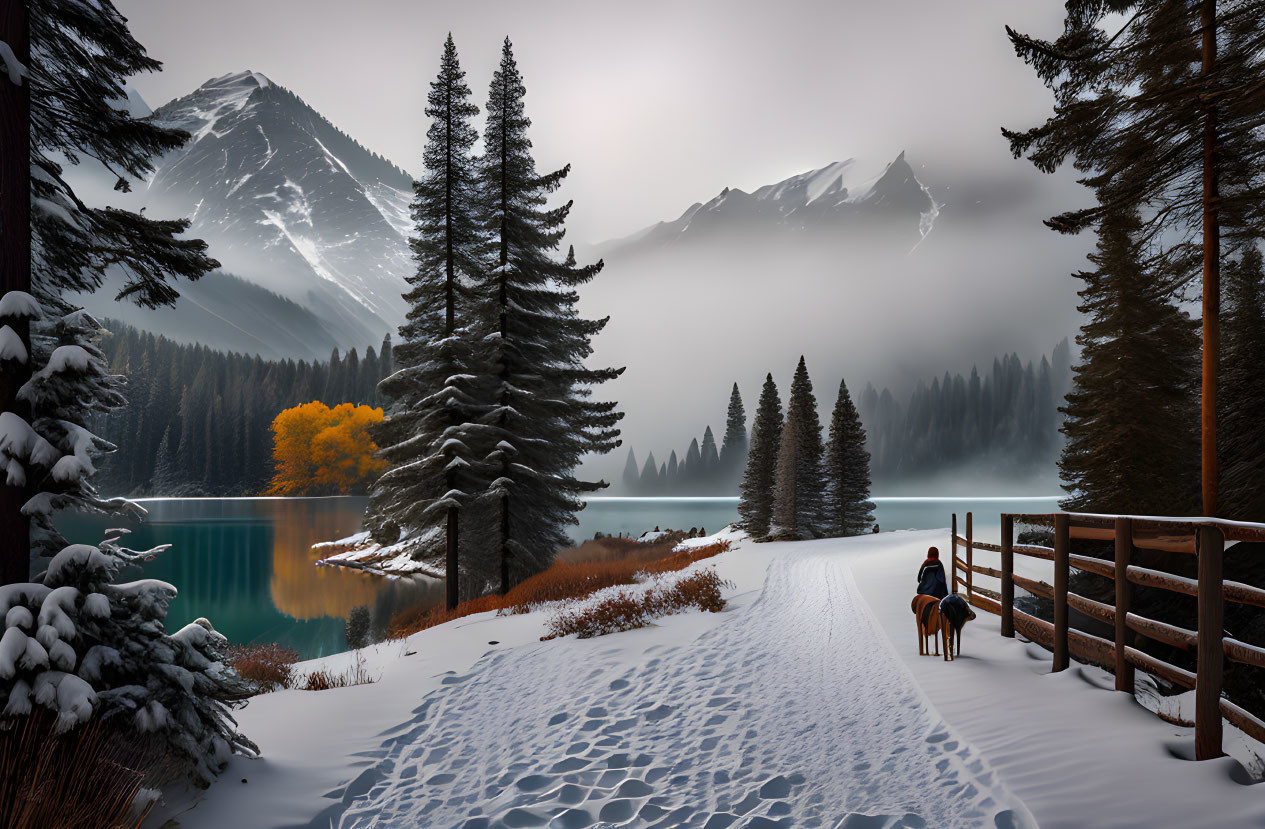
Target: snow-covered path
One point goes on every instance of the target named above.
(792, 711)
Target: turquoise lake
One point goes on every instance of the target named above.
(246, 563)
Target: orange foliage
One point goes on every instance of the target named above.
(322, 451)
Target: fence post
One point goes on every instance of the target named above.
(1007, 570)
(970, 560)
(1124, 598)
(1211, 657)
(953, 556)
(1062, 548)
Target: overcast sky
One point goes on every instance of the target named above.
(655, 104)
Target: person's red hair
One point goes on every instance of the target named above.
(933, 553)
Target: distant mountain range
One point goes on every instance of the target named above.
(841, 200)
(314, 227)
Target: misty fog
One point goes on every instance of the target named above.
(688, 321)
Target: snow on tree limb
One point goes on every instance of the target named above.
(11, 346)
(18, 441)
(15, 305)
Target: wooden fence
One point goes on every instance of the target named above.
(1204, 539)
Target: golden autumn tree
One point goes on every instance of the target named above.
(322, 451)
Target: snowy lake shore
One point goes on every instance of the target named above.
(804, 703)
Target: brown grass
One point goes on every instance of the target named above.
(269, 666)
(88, 778)
(325, 679)
(578, 572)
(625, 610)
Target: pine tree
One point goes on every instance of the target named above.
(733, 447)
(631, 477)
(1161, 100)
(1242, 394)
(333, 380)
(672, 476)
(692, 469)
(97, 648)
(649, 481)
(710, 459)
(545, 417)
(847, 465)
(104, 651)
(1132, 438)
(755, 506)
(368, 379)
(386, 367)
(428, 440)
(799, 487)
(351, 381)
(53, 379)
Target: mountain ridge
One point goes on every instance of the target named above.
(829, 198)
(289, 202)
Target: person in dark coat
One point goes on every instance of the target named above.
(931, 580)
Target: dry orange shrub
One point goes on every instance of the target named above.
(564, 580)
(625, 611)
(270, 665)
(322, 451)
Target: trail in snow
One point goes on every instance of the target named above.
(794, 712)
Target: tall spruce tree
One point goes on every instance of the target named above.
(428, 438)
(1132, 431)
(847, 465)
(1159, 102)
(1242, 394)
(545, 417)
(799, 486)
(733, 446)
(755, 504)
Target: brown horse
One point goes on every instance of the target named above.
(935, 622)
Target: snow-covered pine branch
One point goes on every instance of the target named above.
(80, 644)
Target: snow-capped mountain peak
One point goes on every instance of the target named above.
(840, 196)
(287, 200)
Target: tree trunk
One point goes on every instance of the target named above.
(451, 585)
(1212, 271)
(15, 272)
(505, 554)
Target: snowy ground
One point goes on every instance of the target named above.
(803, 704)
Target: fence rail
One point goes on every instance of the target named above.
(1203, 538)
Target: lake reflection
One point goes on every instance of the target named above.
(247, 565)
